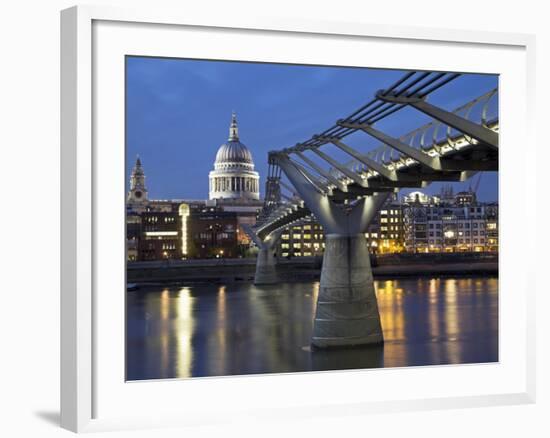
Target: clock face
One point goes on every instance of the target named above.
(137, 194)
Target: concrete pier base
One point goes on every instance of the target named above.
(347, 310)
(266, 266)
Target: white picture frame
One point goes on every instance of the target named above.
(86, 402)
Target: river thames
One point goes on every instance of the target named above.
(239, 328)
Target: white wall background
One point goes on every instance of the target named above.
(29, 216)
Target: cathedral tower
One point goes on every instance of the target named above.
(137, 195)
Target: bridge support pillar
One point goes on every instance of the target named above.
(266, 266)
(347, 310)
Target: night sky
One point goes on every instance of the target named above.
(178, 114)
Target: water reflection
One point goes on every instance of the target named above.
(212, 330)
(184, 329)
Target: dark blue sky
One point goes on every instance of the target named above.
(178, 113)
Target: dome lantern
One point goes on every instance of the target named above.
(233, 128)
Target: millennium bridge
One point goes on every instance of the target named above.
(344, 195)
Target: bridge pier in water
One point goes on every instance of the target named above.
(266, 263)
(266, 267)
(347, 310)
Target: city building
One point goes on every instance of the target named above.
(160, 236)
(386, 232)
(213, 234)
(460, 224)
(491, 227)
(465, 198)
(384, 235)
(418, 223)
(159, 229)
(302, 240)
(133, 234)
(418, 197)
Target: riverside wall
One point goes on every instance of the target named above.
(308, 268)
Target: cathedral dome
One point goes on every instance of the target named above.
(234, 176)
(233, 152)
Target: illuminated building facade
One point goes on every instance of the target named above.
(386, 233)
(160, 236)
(420, 198)
(133, 235)
(419, 223)
(460, 225)
(302, 240)
(491, 227)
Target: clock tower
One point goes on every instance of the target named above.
(137, 196)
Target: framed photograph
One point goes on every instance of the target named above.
(265, 217)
